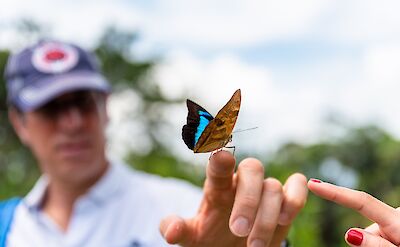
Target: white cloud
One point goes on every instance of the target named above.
(362, 22)
(216, 24)
(231, 23)
(78, 21)
(382, 68)
(212, 83)
(382, 63)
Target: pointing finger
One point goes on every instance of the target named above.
(218, 187)
(385, 216)
(362, 202)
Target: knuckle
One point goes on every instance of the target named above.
(249, 202)
(364, 199)
(333, 197)
(267, 227)
(219, 199)
(394, 235)
(263, 230)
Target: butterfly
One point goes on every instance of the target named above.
(203, 133)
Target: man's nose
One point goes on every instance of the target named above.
(71, 118)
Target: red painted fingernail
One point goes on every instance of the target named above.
(315, 180)
(354, 237)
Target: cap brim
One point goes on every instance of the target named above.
(43, 91)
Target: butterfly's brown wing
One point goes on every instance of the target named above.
(218, 132)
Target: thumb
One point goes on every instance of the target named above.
(174, 229)
(374, 229)
(358, 237)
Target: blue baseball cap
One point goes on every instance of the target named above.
(48, 69)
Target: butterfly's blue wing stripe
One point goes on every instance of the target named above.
(204, 121)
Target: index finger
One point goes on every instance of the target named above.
(218, 187)
(364, 203)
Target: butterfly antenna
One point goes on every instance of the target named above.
(241, 130)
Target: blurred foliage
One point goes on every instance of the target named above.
(167, 165)
(365, 158)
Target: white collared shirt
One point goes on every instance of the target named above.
(123, 209)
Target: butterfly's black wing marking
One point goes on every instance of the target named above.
(197, 119)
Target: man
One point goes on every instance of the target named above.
(58, 101)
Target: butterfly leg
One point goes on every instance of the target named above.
(214, 152)
(233, 147)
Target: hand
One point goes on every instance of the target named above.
(386, 230)
(239, 208)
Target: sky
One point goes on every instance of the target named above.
(298, 63)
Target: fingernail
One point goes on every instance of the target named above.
(241, 227)
(315, 180)
(354, 237)
(257, 243)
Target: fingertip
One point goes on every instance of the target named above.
(174, 232)
(273, 185)
(299, 177)
(253, 164)
(315, 180)
(312, 182)
(240, 227)
(222, 157)
(360, 237)
(172, 229)
(222, 161)
(297, 183)
(354, 236)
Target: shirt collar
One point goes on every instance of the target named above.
(35, 196)
(109, 185)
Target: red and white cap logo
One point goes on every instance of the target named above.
(54, 57)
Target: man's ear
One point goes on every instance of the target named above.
(102, 107)
(106, 102)
(18, 122)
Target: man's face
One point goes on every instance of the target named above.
(67, 135)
